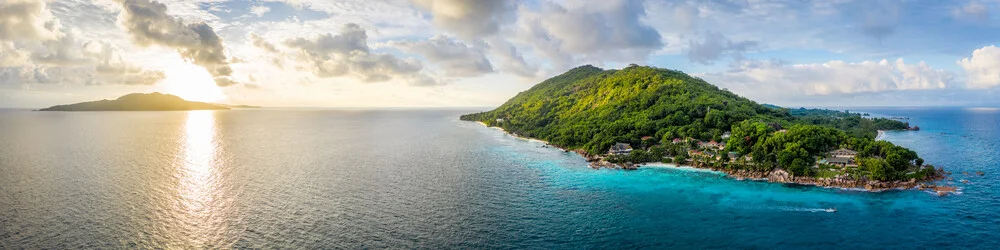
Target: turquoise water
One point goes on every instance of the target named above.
(423, 179)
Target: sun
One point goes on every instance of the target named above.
(191, 82)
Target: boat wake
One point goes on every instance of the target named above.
(811, 210)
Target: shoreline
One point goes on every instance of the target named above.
(775, 176)
(881, 134)
(781, 176)
(520, 137)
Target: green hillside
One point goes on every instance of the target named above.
(592, 109)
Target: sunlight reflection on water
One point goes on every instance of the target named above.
(199, 212)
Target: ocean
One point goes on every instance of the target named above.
(302, 178)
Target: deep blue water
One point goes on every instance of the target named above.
(423, 179)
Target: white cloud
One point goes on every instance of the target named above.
(259, 10)
(11, 56)
(27, 20)
(41, 51)
(983, 68)
(771, 80)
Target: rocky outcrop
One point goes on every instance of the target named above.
(598, 164)
(781, 176)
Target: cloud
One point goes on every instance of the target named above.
(259, 42)
(880, 20)
(713, 45)
(62, 51)
(148, 23)
(79, 75)
(112, 68)
(351, 38)
(259, 10)
(776, 80)
(685, 16)
(11, 56)
(983, 68)
(38, 50)
(602, 31)
(27, 20)
(348, 54)
(469, 19)
(511, 59)
(455, 57)
(66, 61)
(974, 10)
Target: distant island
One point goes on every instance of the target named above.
(240, 106)
(139, 102)
(640, 115)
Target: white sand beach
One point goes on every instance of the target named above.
(677, 167)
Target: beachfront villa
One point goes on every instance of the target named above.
(841, 161)
(620, 149)
(712, 145)
(733, 155)
(841, 157)
(843, 153)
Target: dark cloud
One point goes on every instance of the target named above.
(455, 57)
(351, 38)
(880, 19)
(469, 19)
(713, 46)
(602, 31)
(148, 23)
(348, 54)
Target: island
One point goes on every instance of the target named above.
(239, 106)
(139, 102)
(636, 115)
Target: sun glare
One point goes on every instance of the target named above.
(191, 82)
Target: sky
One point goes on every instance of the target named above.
(462, 53)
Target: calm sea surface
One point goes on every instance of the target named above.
(424, 179)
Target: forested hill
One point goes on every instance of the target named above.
(591, 108)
